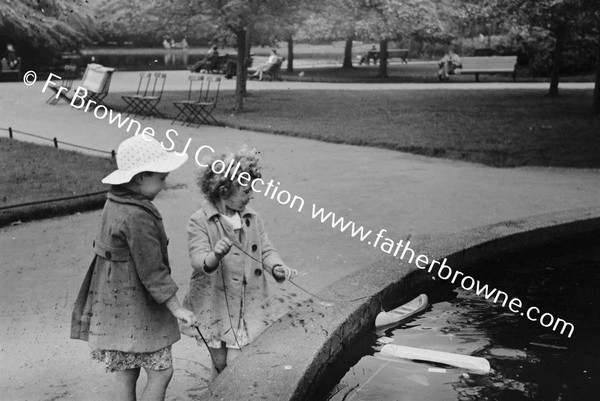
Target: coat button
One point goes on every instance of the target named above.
(254, 248)
(108, 255)
(258, 272)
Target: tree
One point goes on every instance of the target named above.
(559, 17)
(41, 28)
(386, 20)
(379, 20)
(144, 19)
(335, 20)
(228, 20)
(592, 11)
(288, 25)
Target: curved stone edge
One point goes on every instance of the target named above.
(289, 359)
(51, 209)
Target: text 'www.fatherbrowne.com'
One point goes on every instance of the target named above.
(441, 269)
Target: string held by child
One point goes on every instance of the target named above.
(231, 256)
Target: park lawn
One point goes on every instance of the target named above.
(31, 172)
(495, 127)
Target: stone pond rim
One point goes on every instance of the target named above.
(288, 361)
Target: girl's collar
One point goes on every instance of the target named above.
(211, 210)
(124, 195)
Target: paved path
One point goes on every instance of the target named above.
(43, 262)
(127, 81)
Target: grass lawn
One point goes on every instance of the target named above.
(31, 172)
(493, 127)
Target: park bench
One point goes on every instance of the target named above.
(225, 64)
(392, 53)
(489, 65)
(273, 70)
(398, 53)
(10, 74)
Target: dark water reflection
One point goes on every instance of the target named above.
(172, 60)
(529, 362)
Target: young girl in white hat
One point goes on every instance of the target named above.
(231, 256)
(127, 308)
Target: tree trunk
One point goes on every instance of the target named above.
(290, 58)
(242, 69)
(597, 84)
(248, 59)
(557, 58)
(348, 54)
(383, 57)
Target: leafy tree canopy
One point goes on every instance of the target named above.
(46, 24)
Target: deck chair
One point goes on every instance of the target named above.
(194, 96)
(203, 109)
(96, 81)
(69, 73)
(133, 101)
(148, 102)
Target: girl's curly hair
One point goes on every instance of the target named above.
(218, 186)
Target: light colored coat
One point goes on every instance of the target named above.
(121, 302)
(237, 293)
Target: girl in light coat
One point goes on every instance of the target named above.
(231, 256)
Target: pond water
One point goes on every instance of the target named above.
(143, 59)
(528, 361)
(161, 60)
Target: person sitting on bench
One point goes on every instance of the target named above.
(273, 59)
(11, 57)
(448, 65)
(371, 54)
(208, 63)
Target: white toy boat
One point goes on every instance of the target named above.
(471, 363)
(395, 316)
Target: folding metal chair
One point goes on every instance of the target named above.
(203, 109)
(193, 97)
(134, 101)
(67, 83)
(148, 102)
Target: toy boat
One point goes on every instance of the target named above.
(472, 363)
(395, 316)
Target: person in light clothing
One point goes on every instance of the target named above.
(232, 259)
(449, 64)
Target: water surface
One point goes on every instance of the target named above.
(529, 362)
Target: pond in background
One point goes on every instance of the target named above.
(173, 60)
(528, 361)
(142, 59)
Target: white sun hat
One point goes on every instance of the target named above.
(142, 153)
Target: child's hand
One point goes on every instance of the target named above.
(185, 315)
(222, 247)
(283, 272)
